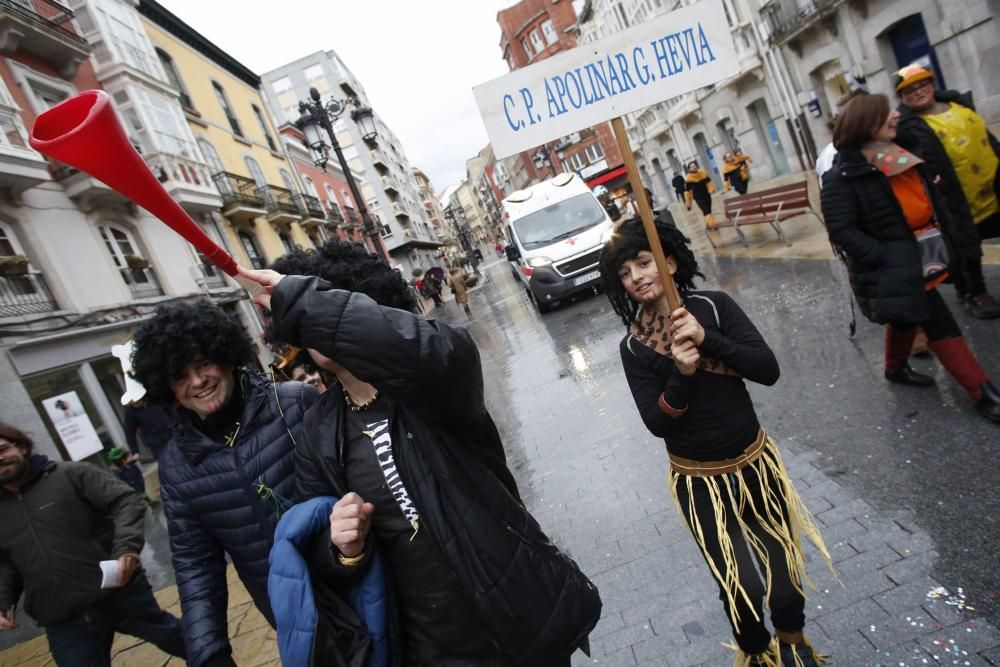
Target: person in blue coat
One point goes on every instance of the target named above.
(226, 476)
(324, 620)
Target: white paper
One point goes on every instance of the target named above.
(109, 574)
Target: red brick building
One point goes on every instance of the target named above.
(533, 30)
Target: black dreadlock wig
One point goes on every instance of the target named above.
(179, 333)
(349, 266)
(628, 240)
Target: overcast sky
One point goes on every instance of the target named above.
(418, 61)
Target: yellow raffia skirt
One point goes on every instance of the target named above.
(778, 509)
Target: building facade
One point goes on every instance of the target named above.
(79, 264)
(329, 189)
(262, 208)
(391, 194)
(829, 46)
(432, 207)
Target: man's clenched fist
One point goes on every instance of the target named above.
(349, 524)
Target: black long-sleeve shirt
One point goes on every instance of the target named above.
(717, 419)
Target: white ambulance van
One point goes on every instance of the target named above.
(556, 229)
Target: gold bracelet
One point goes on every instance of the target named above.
(348, 561)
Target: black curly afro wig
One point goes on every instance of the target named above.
(627, 241)
(349, 266)
(179, 333)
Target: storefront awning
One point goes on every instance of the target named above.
(609, 175)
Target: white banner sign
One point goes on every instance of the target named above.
(73, 425)
(664, 57)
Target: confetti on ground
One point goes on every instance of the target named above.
(952, 600)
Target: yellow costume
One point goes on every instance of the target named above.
(962, 133)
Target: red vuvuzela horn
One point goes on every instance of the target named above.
(85, 133)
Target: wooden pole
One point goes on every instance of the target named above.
(646, 213)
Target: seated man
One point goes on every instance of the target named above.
(58, 521)
(226, 474)
(407, 445)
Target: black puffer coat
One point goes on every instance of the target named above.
(916, 136)
(863, 217)
(213, 506)
(534, 601)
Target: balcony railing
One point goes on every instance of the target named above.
(351, 216)
(335, 216)
(25, 295)
(48, 14)
(237, 189)
(784, 18)
(169, 167)
(310, 206)
(142, 283)
(280, 200)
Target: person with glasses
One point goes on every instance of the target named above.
(943, 128)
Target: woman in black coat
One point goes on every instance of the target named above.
(407, 444)
(875, 200)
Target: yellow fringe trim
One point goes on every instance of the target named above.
(769, 658)
(778, 497)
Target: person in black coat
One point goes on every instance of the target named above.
(152, 423)
(226, 475)
(407, 444)
(875, 199)
(680, 186)
(686, 369)
(942, 127)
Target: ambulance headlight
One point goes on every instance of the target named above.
(537, 262)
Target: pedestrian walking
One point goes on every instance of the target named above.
(226, 474)
(407, 445)
(686, 370)
(700, 189)
(881, 206)
(456, 280)
(680, 186)
(744, 161)
(153, 424)
(962, 157)
(733, 171)
(58, 523)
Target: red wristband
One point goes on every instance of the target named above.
(667, 409)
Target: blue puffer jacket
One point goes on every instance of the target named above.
(223, 500)
(294, 598)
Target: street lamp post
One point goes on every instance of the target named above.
(316, 115)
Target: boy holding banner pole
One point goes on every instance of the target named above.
(686, 370)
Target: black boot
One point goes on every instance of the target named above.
(988, 404)
(800, 655)
(983, 307)
(906, 375)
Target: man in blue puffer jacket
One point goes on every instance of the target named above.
(226, 475)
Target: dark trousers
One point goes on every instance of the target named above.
(786, 603)
(989, 228)
(704, 202)
(939, 325)
(969, 280)
(85, 640)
